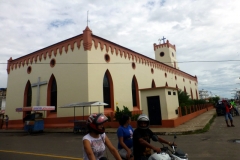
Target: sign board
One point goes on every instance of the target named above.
(24, 109)
(35, 108)
(43, 108)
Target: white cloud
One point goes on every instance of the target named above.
(201, 30)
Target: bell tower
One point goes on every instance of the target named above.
(166, 53)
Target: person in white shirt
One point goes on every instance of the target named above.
(95, 141)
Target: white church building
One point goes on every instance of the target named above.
(88, 68)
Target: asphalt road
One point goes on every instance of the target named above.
(218, 143)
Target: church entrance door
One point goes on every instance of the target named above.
(154, 110)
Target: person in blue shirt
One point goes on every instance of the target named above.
(125, 138)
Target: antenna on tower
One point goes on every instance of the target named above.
(87, 18)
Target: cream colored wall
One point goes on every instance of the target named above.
(82, 82)
(172, 103)
(167, 56)
(14, 97)
(168, 103)
(171, 77)
(162, 97)
(122, 74)
(71, 82)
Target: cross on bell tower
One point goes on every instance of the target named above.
(163, 39)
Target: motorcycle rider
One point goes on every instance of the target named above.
(125, 135)
(233, 104)
(95, 141)
(141, 139)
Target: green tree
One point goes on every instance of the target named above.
(214, 100)
(184, 99)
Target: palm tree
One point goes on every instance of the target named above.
(183, 99)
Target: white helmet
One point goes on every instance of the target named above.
(143, 118)
(162, 155)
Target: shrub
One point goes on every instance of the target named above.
(124, 111)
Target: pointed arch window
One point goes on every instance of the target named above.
(135, 95)
(108, 90)
(166, 84)
(27, 97)
(54, 94)
(196, 94)
(153, 84)
(134, 100)
(191, 94)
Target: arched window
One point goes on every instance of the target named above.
(135, 95)
(196, 94)
(153, 84)
(185, 89)
(27, 97)
(166, 85)
(191, 94)
(108, 90)
(52, 94)
(134, 101)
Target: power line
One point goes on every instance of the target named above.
(73, 63)
(147, 62)
(208, 61)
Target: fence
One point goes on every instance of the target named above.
(182, 111)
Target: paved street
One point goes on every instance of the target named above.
(218, 143)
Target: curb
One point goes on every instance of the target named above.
(70, 130)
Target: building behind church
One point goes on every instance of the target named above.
(3, 92)
(90, 68)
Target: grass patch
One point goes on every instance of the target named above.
(205, 129)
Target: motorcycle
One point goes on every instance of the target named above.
(168, 154)
(234, 111)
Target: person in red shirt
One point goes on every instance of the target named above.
(228, 115)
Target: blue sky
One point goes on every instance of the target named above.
(205, 30)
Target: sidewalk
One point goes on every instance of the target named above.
(195, 124)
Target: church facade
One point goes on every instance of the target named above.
(89, 68)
